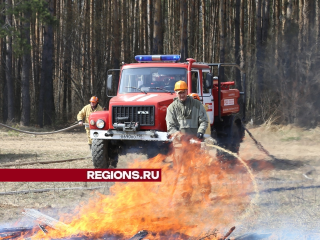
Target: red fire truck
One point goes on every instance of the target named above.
(136, 116)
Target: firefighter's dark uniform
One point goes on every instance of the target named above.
(188, 117)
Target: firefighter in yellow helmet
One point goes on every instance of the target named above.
(186, 115)
(187, 118)
(86, 111)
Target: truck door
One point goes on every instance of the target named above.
(207, 97)
(195, 82)
(204, 94)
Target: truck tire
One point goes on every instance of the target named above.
(234, 139)
(100, 157)
(230, 140)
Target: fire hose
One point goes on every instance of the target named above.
(262, 149)
(42, 133)
(258, 144)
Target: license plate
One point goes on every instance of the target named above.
(131, 136)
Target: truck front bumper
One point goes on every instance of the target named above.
(112, 134)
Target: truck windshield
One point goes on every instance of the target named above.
(151, 79)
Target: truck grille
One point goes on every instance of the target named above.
(142, 114)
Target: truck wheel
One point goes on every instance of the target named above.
(230, 141)
(233, 143)
(100, 156)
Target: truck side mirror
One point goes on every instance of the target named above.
(112, 75)
(109, 84)
(208, 83)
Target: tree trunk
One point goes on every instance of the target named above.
(130, 36)
(86, 53)
(142, 27)
(125, 43)
(259, 47)
(306, 22)
(4, 89)
(252, 28)
(196, 30)
(216, 35)
(46, 103)
(265, 21)
(66, 104)
(183, 30)
(317, 24)
(17, 87)
(237, 42)
(203, 6)
(222, 36)
(242, 43)
(91, 60)
(283, 18)
(145, 26)
(157, 30)
(58, 50)
(192, 30)
(26, 66)
(9, 79)
(35, 50)
(136, 27)
(116, 41)
(109, 36)
(300, 38)
(150, 26)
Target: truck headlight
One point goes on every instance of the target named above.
(100, 123)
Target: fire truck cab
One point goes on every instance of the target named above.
(136, 115)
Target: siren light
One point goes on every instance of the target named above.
(157, 58)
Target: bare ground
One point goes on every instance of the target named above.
(289, 189)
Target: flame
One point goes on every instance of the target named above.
(197, 194)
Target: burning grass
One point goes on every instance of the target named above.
(216, 199)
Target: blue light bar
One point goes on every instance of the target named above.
(156, 58)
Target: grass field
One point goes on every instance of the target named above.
(287, 207)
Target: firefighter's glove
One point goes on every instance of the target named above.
(199, 135)
(80, 123)
(211, 141)
(176, 135)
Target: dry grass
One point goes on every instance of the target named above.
(289, 187)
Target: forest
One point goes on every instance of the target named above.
(55, 53)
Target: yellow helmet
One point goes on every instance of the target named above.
(94, 99)
(195, 96)
(180, 86)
